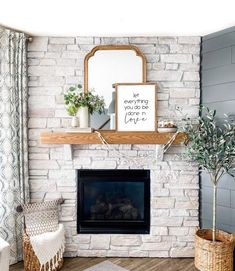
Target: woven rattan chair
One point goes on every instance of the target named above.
(39, 218)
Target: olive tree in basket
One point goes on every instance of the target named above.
(212, 146)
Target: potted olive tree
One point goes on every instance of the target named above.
(83, 103)
(212, 146)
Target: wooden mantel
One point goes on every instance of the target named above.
(112, 137)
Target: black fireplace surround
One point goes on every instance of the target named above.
(113, 201)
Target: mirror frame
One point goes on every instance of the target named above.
(114, 47)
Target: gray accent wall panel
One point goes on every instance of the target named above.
(218, 92)
(222, 107)
(219, 33)
(216, 58)
(218, 75)
(218, 42)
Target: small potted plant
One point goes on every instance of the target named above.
(84, 103)
(212, 146)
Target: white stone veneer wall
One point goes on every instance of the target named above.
(173, 62)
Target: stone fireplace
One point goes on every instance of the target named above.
(172, 62)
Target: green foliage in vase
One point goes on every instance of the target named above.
(75, 98)
(212, 146)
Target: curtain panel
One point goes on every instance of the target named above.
(13, 137)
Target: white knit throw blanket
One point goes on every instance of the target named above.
(49, 247)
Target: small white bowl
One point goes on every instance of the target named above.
(166, 130)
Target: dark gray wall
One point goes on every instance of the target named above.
(218, 92)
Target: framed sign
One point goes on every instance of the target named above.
(136, 107)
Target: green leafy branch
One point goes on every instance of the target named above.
(75, 98)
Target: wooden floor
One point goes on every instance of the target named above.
(132, 264)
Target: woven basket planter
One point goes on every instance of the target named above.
(31, 262)
(214, 256)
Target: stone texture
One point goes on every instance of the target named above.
(154, 75)
(138, 253)
(189, 40)
(37, 123)
(176, 58)
(126, 240)
(164, 202)
(167, 221)
(156, 246)
(43, 164)
(39, 44)
(38, 156)
(167, 40)
(55, 63)
(100, 241)
(43, 91)
(159, 254)
(51, 81)
(180, 252)
(61, 40)
(191, 76)
(159, 230)
(182, 93)
(84, 40)
(53, 123)
(143, 40)
(172, 66)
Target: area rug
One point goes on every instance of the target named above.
(105, 266)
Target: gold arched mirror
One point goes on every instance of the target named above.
(106, 65)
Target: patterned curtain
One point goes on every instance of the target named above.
(13, 137)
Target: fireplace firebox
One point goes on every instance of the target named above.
(113, 201)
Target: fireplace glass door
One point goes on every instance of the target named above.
(113, 201)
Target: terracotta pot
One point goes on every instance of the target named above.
(214, 256)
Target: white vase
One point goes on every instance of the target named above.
(84, 117)
(74, 121)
